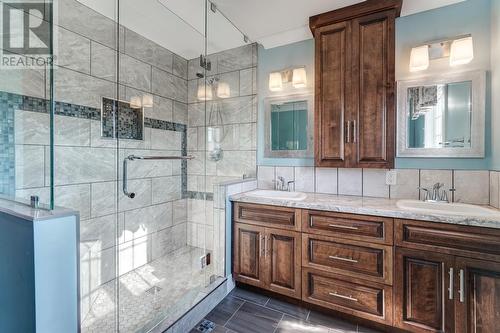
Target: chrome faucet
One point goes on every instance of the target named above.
(280, 184)
(436, 195)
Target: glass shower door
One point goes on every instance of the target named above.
(160, 269)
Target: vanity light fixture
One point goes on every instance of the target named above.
(205, 93)
(136, 102)
(297, 77)
(147, 101)
(419, 58)
(275, 81)
(460, 50)
(223, 90)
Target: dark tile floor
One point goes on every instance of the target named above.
(243, 311)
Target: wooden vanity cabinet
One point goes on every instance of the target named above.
(267, 249)
(477, 305)
(422, 291)
(355, 85)
(416, 276)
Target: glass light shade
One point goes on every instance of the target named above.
(136, 102)
(275, 82)
(147, 101)
(419, 58)
(299, 78)
(462, 51)
(204, 93)
(223, 90)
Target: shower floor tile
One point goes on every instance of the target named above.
(162, 290)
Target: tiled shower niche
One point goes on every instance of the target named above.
(130, 120)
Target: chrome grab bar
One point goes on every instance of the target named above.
(131, 195)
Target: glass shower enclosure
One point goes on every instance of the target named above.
(128, 126)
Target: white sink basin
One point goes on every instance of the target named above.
(447, 208)
(279, 195)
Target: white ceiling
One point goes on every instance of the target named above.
(279, 22)
(179, 24)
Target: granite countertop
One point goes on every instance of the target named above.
(369, 206)
(25, 212)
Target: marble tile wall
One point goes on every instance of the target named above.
(87, 167)
(221, 211)
(495, 189)
(238, 68)
(475, 187)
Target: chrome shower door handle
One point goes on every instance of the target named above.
(125, 179)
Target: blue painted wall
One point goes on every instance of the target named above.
(472, 16)
(39, 275)
(468, 17)
(292, 55)
(17, 275)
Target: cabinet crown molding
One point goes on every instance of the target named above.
(347, 13)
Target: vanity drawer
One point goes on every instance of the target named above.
(359, 298)
(358, 259)
(476, 242)
(357, 227)
(267, 216)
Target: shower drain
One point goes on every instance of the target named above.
(205, 326)
(153, 291)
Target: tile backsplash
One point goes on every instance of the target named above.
(475, 187)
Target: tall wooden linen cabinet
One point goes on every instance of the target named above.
(355, 119)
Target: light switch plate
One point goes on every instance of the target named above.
(391, 178)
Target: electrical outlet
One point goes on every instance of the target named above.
(391, 178)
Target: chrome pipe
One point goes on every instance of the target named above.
(135, 157)
(131, 195)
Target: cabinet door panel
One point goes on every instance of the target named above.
(478, 311)
(283, 260)
(373, 89)
(421, 287)
(332, 84)
(248, 254)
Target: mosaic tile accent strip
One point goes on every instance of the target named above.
(130, 120)
(10, 102)
(200, 195)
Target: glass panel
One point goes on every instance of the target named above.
(440, 115)
(230, 132)
(159, 262)
(26, 107)
(85, 162)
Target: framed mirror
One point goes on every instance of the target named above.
(289, 126)
(442, 116)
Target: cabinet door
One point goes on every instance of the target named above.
(283, 260)
(249, 263)
(373, 118)
(332, 91)
(478, 296)
(423, 301)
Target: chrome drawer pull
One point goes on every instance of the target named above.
(461, 291)
(450, 289)
(343, 227)
(349, 298)
(343, 259)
